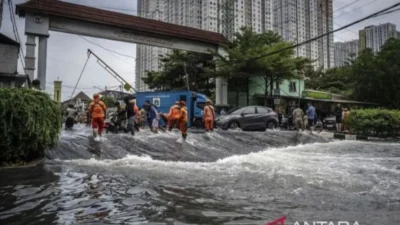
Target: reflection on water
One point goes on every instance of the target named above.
(238, 178)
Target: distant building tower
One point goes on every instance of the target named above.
(57, 91)
(1, 11)
(375, 36)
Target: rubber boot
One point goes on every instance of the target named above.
(95, 133)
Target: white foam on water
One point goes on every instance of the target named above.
(272, 156)
(317, 164)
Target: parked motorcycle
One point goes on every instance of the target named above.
(112, 125)
(287, 123)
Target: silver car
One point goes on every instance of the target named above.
(248, 118)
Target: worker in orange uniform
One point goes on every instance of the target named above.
(183, 119)
(136, 111)
(209, 116)
(173, 116)
(97, 110)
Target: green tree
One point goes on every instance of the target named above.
(386, 80)
(109, 101)
(182, 69)
(249, 57)
(370, 77)
(337, 80)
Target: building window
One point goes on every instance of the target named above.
(292, 86)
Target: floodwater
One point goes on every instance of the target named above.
(220, 178)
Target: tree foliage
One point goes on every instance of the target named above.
(30, 123)
(181, 68)
(109, 101)
(374, 122)
(336, 80)
(249, 56)
(370, 77)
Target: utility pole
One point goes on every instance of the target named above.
(327, 31)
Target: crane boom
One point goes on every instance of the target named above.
(125, 84)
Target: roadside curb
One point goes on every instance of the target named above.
(32, 163)
(353, 137)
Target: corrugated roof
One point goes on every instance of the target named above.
(80, 95)
(100, 16)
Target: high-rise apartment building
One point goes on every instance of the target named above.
(301, 20)
(375, 36)
(147, 57)
(1, 11)
(345, 51)
(294, 20)
(235, 14)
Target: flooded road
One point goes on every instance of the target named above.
(220, 178)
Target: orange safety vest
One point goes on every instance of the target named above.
(209, 112)
(97, 109)
(174, 112)
(183, 115)
(136, 111)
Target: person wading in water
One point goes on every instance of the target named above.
(173, 116)
(97, 110)
(298, 115)
(183, 119)
(209, 116)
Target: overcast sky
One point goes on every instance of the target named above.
(67, 53)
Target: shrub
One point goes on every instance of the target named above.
(30, 122)
(376, 122)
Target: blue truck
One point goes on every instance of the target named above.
(163, 100)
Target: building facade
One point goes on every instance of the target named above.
(294, 20)
(1, 11)
(301, 20)
(9, 54)
(148, 57)
(375, 36)
(345, 51)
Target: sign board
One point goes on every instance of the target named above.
(317, 95)
(127, 87)
(156, 102)
(277, 101)
(276, 93)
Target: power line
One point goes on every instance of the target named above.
(351, 3)
(355, 9)
(80, 76)
(330, 32)
(107, 48)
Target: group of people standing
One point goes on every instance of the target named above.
(137, 118)
(303, 121)
(341, 115)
